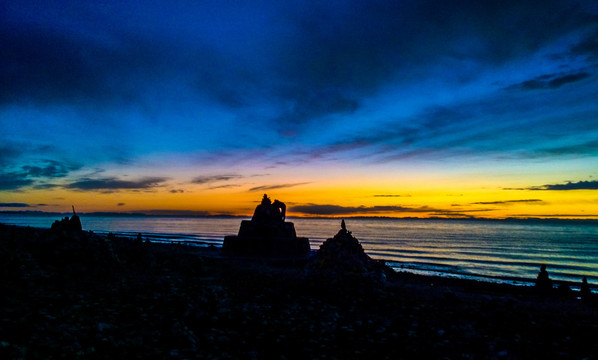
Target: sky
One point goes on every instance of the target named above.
(337, 108)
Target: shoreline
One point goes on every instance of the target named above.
(580, 220)
(170, 239)
(84, 296)
(516, 281)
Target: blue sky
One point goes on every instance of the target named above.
(157, 92)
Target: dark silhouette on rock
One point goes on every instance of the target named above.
(584, 291)
(343, 255)
(543, 282)
(68, 225)
(267, 234)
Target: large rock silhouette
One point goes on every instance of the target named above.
(267, 234)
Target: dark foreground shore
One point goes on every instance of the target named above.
(83, 296)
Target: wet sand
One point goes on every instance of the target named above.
(88, 297)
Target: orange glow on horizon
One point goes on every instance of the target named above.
(335, 199)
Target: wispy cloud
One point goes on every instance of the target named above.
(14, 205)
(208, 179)
(507, 202)
(557, 215)
(8, 153)
(13, 180)
(588, 46)
(226, 186)
(390, 195)
(580, 185)
(35, 174)
(551, 81)
(327, 209)
(587, 148)
(277, 186)
(49, 169)
(111, 183)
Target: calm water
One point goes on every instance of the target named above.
(487, 250)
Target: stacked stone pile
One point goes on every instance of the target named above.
(343, 255)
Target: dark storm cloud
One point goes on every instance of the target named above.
(342, 56)
(316, 60)
(111, 183)
(325, 60)
(277, 186)
(13, 205)
(553, 81)
(287, 65)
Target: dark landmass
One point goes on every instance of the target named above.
(77, 295)
(199, 214)
(182, 214)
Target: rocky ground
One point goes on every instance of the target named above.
(78, 295)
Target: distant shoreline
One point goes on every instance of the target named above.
(191, 214)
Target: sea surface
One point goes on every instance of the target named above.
(497, 251)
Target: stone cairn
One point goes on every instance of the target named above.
(343, 255)
(69, 225)
(267, 234)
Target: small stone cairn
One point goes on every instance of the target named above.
(68, 225)
(343, 256)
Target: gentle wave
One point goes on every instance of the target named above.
(467, 249)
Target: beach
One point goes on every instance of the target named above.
(87, 296)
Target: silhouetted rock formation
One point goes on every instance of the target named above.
(267, 234)
(543, 282)
(343, 255)
(66, 224)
